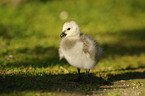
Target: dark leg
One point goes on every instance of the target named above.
(87, 71)
(79, 77)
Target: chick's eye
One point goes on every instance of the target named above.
(68, 28)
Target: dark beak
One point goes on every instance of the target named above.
(62, 34)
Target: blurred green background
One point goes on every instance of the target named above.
(30, 35)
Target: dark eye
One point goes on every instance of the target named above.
(68, 28)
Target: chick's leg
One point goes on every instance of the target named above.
(87, 71)
(79, 77)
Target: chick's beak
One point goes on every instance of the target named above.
(63, 34)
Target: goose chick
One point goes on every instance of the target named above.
(78, 49)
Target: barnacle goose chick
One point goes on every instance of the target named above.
(78, 49)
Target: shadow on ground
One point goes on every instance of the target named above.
(60, 82)
(128, 75)
(46, 82)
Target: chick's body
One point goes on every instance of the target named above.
(78, 49)
(73, 51)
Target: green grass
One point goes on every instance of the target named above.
(29, 41)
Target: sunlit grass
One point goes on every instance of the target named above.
(29, 40)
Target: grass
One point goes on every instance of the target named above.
(29, 40)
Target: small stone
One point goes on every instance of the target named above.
(10, 56)
(105, 89)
